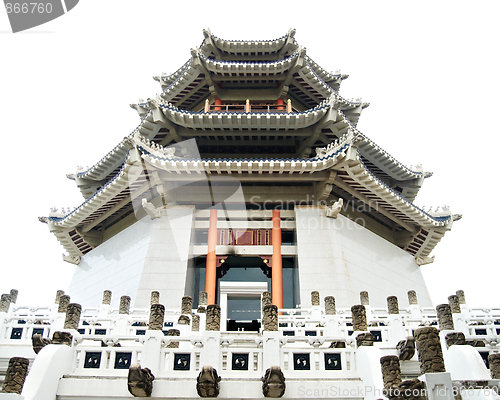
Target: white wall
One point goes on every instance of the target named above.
(340, 258)
(149, 255)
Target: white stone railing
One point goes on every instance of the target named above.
(20, 323)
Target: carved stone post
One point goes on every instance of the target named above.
(106, 297)
(156, 317)
(187, 305)
(155, 297)
(412, 297)
(5, 302)
(359, 322)
(13, 295)
(455, 338)
(270, 318)
(494, 361)
(15, 375)
(64, 300)
(315, 298)
(454, 303)
(445, 318)
(72, 316)
(364, 298)
(213, 318)
(202, 302)
(184, 320)
(406, 348)
(173, 332)
(203, 299)
(430, 353)
(461, 296)
(124, 305)
(266, 299)
(393, 305)
(391, 373)
(196, 323)
(59, 293)
(330, 305)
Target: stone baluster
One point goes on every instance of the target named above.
(156, 317)
(266, 299)
(461, 296)
(454, 303)
(202, 302)
(13, 295)
(106, 297)
(391, 374)
(59, 293)
(270, 318)
(124, 305)
(359, 322)
(184, 320)
(15, 375)
(73, 312)
(64, 300)
(187, 305)
(330, 305)
(315, 298)
(196, 323)
(155, 297)
(364, 298)
(5, 300)
(213, 318)
(445, 318)
(173, 332)
(393, 305)
(430, 353)
(494, 362)
(454, 338)
(412, 297)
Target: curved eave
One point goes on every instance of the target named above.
(106, 168)
(243, 120)
(333, 80)
(381, 158)
(221, 67)
(167, 79)
(365, 182)
(189, 76)
(357, 176)
(248, 46)
(249, 166)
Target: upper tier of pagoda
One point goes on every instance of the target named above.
(265, 113)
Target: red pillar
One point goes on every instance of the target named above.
(211, 266)
(280, 104)
(218, 102)
(277, 268)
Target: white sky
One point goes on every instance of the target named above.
(430, 70)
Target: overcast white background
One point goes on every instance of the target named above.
(430, 70)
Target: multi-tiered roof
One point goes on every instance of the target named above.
(265, 113)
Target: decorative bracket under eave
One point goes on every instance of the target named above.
(334, 209)
(72, 259)
(151, 210)
(424, 260)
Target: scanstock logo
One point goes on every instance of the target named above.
(25, 15)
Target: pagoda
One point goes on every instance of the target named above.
(246, 128)
(258, 243)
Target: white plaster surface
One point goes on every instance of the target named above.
(340, 258)
(149, 255)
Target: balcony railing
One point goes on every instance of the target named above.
(247, 107)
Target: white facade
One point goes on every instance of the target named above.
(149, 255)
(340, 258)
